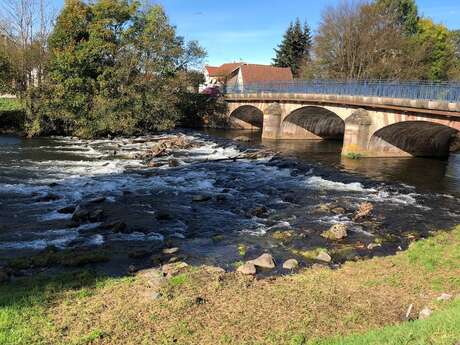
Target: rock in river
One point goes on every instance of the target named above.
(243, 139)
(201, 198)
(290, 264)
(363, 211)
(264, 261)
(247, 268)
(335, 232)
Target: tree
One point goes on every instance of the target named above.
(114, 69)
(404, 11)
(294, 50)
(362, 41)
(438, 43)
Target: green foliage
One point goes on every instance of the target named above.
(114, 69)
(437, 42)
(353, 155)
(294, 50)
(405, 12)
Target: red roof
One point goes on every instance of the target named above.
(223, 70)
(263, 73)
(252, 73)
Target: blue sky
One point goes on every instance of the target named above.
(248, 30)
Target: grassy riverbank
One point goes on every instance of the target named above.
(362, 303)
(11, 115)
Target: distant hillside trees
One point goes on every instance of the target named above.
(114, 68)
(294, 50)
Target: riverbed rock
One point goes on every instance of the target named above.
(243, 139)
(247, 268)
(201, 198)
(96, 215)
(264, 261)
(67, 210)
(290, 264)
(116, 226)
(170, 251)
(259, 212)
(338, 210)
(425, 313)
(336, 232)
(324, 257)
(48, 197)
(96, 200)
(80, 214)
(363, 211)
(173, 163)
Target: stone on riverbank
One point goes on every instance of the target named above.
(336, 232)
(264, 261)
(323, 256)
(425, 313)
(290, 264)
(174, 268)
(247, 268)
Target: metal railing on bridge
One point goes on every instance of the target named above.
(436, 91)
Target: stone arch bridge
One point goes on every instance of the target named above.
(369, 126)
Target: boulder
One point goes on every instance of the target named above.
(363, 211)
(264, 261)
(96, 200)
(425, 313)
(173, 163)
(170, 251)
(338, 210)
(116, 226)
(290, 264)
(335, 232)
(242, 138)
(201, 198)
(80, 214)
(259, 212)
(67, 210)
(247, 268)
(323, 256)
(48, 197)
(96, 215)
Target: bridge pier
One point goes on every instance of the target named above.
(357, 134)
(273, 115)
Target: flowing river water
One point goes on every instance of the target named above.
(216, 211)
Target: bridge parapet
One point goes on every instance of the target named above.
(440, 107)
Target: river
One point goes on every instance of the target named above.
(216, 211)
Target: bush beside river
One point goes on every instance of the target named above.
(12, 115)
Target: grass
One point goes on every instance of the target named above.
(12, 114)
(10, 104)
(364, 302)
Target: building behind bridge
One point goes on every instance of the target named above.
(239, 74)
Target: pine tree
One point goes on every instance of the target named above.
(294, 50)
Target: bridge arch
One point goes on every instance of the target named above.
(312, 122)
(412, 138)
(247, 117)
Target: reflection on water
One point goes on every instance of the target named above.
(429, 175)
